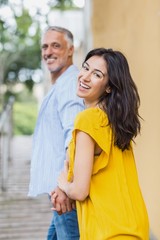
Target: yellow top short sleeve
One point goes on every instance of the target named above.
(114, 208)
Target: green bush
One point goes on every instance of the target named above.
(24, 117)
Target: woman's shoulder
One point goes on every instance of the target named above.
(93, 111)
(92, 116)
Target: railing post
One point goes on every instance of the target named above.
(10, 126)
(5, 140)
(5, 158)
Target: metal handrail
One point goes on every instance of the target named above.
(6, 127)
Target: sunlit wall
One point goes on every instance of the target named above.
(133, 27)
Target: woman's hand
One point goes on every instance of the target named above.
(61, 202)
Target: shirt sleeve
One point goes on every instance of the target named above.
(69, 104)
(95, 123)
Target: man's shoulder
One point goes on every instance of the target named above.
(69, 77)
(72, 68)
(70, 72)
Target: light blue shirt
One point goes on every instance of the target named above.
(53, 132)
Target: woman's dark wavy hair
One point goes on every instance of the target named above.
(122, 103)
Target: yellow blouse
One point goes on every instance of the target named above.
(114, 208)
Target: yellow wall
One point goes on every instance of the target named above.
(133, 27)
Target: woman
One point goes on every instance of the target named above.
(102, 175)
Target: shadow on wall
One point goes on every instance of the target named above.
(152, 236)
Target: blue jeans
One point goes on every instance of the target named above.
(64, 227)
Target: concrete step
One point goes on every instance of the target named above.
(22, 218)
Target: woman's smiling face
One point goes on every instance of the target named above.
(92, 80)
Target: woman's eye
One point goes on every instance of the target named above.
(85, 67)
(97, 75)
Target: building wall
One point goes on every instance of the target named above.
(133, 27)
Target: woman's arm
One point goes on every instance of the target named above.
(78, 189)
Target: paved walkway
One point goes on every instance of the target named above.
(22, 218)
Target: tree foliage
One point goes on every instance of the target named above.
(62, 4)
(18, 45)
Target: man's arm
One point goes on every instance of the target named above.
(68, 107)
(61, 202)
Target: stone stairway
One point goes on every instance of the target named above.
(22, 218)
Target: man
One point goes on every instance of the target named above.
(53, 130)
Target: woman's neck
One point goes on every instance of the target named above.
(90, 105)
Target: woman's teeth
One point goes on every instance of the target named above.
(83, 85)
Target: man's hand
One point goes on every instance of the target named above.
(61, 202)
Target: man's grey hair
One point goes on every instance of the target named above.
(68, 35)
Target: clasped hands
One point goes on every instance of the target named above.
(60, 201)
